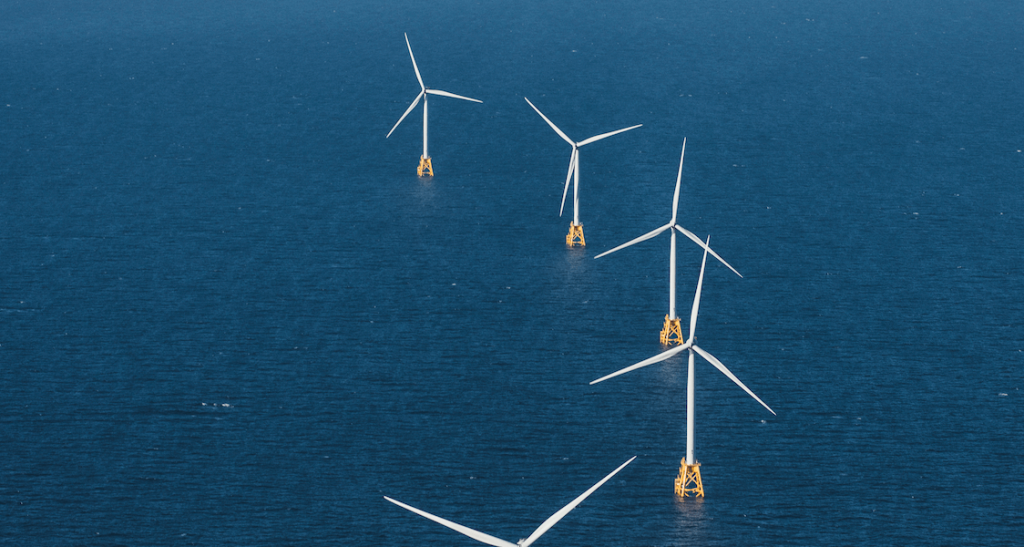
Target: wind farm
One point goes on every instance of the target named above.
(497, 542)
(689, 482)
(426, 167)
(211, 185)
(575, 235)
(671, 331)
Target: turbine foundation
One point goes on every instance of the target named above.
(671, 332)
(688, 482)
(425, 167)
(575, 236)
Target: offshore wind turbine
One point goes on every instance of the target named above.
(425, 165)
(497, 542)
(671, 332)
(575, 235)
(689, 481)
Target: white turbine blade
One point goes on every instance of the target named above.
(553, 126)
(696, 295)
(718, 364)
(414, 67)
(644, 237)
(656, 359)
(568, 178)
(452, 95)
(407, 111)
(606, 135)
(479, 536)
(697, 240)
(553, 519)
(679, 179)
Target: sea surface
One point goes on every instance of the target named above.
(232, 314)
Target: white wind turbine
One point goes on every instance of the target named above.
(425, 165)
(497, 542)
(689, 470)
(575, 229)
(671, 332)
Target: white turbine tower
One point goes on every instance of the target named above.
(497, 542)
(671, 332)
(575, 229)
(425, 165)
(688, 481)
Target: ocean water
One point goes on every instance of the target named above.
(232, 314)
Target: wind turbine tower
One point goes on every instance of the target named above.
(426, 168)
(575, 235)
(688, 482)
(671, 331)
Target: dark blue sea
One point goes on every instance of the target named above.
(232, 314)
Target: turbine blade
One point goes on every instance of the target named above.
(407, 111)
(644, 237)
(553, 126)
(718, 364)
(606, 135)
(696, 295)
(414, 67)
(452, 95)
(568, 178)
(679, 178)
(479, 536)
(553, 519)
(656, 359)
(697, 240)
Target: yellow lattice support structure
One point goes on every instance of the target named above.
(671, 332)
(425, 167)
(575, 236)
(688, 482)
